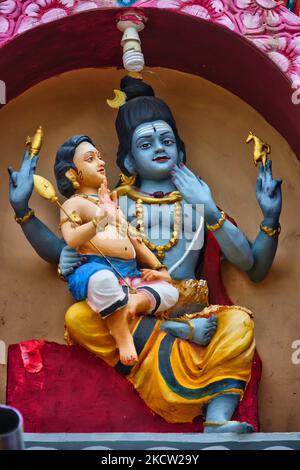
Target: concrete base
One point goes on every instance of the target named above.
(137, 441)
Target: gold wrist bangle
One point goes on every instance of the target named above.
(95, 222)
(25, 218)
(59, 273)
(219, 224)
(160, 266)
(271, 232)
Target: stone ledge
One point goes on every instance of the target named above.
(143, 441)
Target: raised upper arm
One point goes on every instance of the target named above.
(73, 208)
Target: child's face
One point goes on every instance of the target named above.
(90, 166)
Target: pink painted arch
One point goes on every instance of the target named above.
(171, 39)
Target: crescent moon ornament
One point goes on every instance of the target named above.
(119, 99)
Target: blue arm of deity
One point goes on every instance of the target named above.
(46, 244)
(255, 259)
(233, 243)
(269, 198)
(263, 249)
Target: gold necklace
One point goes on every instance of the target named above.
(88, 197)
(159, 249)
(127, 188)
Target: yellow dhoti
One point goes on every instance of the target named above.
(174, 377)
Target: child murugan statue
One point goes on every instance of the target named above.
(111, 282)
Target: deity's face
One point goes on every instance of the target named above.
(153, 151)
(90, 166)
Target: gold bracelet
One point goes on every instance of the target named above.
(97, 222)
(59, 273)
(25, 218)
(219, 224)
(271, 232)
(160, 266)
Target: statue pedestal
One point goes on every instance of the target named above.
(76, 392)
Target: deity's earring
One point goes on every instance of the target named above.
(72, 178)
(75, 184)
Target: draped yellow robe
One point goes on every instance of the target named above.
(174, 377)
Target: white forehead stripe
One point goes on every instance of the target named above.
(151, 128)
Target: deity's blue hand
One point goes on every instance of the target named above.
(21, 184)
(70, 260)
(268, 192)
(193, 189)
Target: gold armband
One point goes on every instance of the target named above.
(74, 218)
(219, 224)
(271, 232)
(25, 218)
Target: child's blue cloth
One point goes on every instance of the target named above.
(78, 281)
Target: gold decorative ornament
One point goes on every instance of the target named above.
(59, 273)
(192, 291)
(261, 149)
(187, 322)
(215, 423)
(74, 218)
(136, 75)
(72, 178)
(25, 218)
(34, 143)
(218, 225)
(160, 266)
(119, 99)
(271, 232)
(159, 249)
(127, 188)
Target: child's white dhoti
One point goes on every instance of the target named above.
(106, 293)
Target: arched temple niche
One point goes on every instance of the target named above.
(213, 117)
(214, 124)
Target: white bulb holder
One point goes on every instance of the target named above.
(131, 23)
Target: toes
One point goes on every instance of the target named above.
(129, 361)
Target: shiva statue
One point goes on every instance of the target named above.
(196, 365)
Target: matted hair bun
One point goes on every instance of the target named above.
(134, 88)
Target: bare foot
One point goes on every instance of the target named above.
(119, 328)
(127, 351)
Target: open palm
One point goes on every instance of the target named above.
(268, 192)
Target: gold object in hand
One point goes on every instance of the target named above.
(261, 149)
(34, 143)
